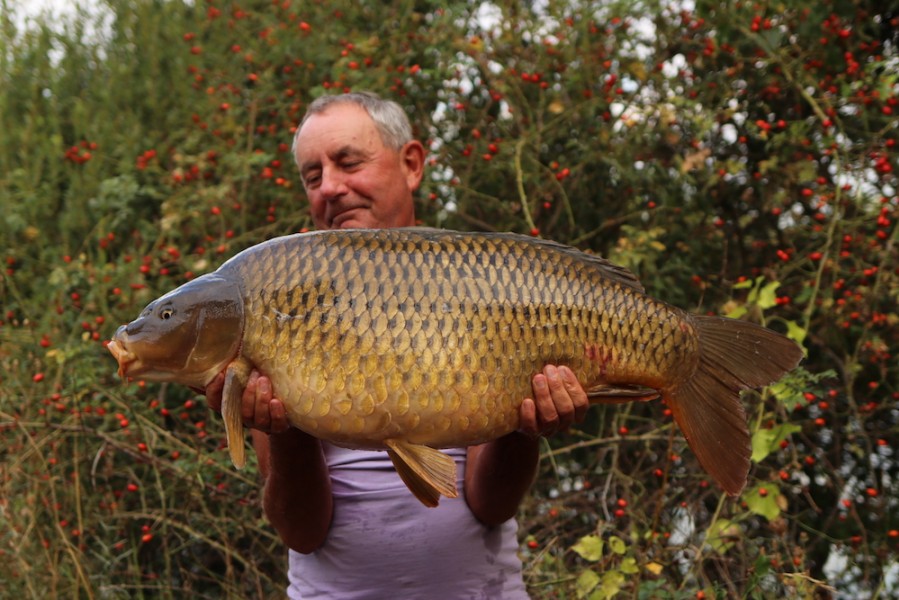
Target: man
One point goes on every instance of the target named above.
(353, 529)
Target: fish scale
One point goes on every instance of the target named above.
(414, 340)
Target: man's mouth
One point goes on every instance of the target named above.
(346, 215)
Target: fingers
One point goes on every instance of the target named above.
(214, 392)
(528, 418)
(279, 422)
(259, 409)
(248, 400)
(548, 417)
(559, 401)
(560, 398)
(576, 392)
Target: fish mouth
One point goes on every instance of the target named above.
(123, 356)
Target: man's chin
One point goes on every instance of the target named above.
(352, 224)
(354, 219)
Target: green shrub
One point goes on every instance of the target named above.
(739, 157)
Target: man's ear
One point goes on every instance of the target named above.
(412, 158)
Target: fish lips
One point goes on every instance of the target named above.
(119, 350)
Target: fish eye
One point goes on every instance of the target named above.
(166, 313)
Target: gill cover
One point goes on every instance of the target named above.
(187, 336)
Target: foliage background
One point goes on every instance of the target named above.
(739, 156)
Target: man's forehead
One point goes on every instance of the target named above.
(340, 120)
(338, 132)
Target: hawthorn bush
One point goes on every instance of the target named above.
(738, 156)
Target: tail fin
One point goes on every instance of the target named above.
(734, 355)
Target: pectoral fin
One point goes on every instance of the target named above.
(608, 394)
(236, 376)
(428, 473)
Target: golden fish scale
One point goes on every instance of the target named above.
(433, 337)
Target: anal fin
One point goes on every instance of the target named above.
(616, 394)
(427, 472)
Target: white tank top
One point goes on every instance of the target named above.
(383, 543)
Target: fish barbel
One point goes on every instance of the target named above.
(412, 340)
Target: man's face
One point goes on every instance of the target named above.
(351, 178)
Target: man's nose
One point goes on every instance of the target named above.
(333, 183)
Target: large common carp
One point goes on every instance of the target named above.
(411, 340)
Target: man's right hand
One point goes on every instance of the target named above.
(257, 406)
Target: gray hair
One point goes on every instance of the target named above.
(390, 119)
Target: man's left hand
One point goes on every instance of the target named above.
(559, 401)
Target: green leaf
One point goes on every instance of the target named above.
(768, 296)
(612, 582)
(773, 37)
(763, 500)
(653, 589)
(629, 566)
(765, 441)
(796, 332)
(589, 547)
(753, 296)
(586, 583)
(787, 394)
(15, 222)
(762, 296)
(617, 545)
(790, 390)
(737, 312)
(722, 534)
(762, 566)
(768, 165)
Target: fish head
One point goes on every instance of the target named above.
(187, 336)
